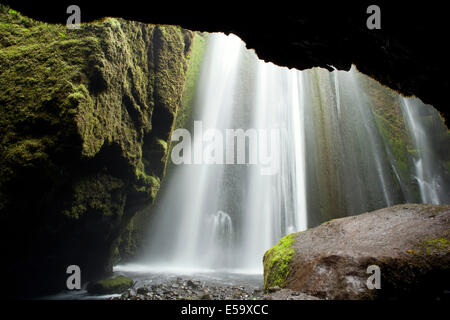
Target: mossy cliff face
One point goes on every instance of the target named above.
(186, 112)
(133, 241)
(86, 117)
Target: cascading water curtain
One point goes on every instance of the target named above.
(431, 174)
(318, 145)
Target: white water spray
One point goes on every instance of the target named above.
(432, 186)
(210, 225)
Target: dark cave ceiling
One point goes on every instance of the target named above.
(409, 53)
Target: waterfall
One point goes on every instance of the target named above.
(317, 145)
(221, 242)
(229, 214)
(433, 185)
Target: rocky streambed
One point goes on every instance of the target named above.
(188, 289)
(150, 285)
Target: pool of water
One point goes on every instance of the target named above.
(145, 275)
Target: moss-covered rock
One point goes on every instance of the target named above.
(109, 286)
(85, 121)
(276, 262)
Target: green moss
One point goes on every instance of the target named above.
(99, 194)
(276, 262)
(329, 221)
(396, 138)
(162, 144)
(432, 246)
(390, 122)
(26, 152)
(147, 184)
(118, 284)
(184, 115)
(439, 243)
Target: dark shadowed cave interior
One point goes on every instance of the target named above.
(409, 54)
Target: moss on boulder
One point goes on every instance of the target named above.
(276, 262)
(109, 286)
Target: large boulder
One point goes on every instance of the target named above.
(409, 243)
